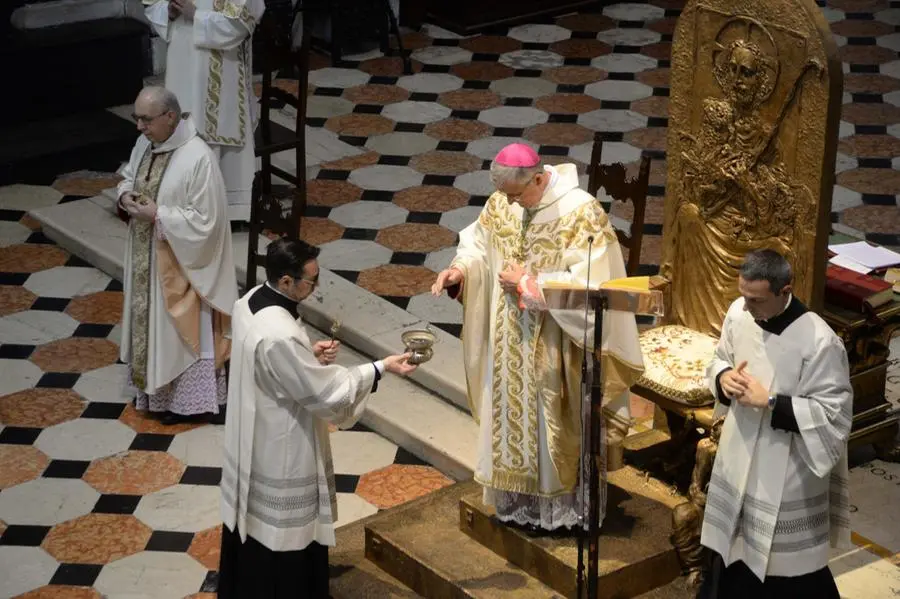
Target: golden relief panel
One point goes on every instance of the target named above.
(754, 111)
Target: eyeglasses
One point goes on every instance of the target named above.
(512, 197)
(146, 120)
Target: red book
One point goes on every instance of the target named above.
(855, 291)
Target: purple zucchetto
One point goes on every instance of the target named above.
(518, 155)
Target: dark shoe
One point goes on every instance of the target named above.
(151, 415)
(217, 418)
(170, 419)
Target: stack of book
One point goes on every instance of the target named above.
(892, 276)
(859, 276)
(854, 290)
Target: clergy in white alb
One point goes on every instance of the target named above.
(209, 68)
(180, 283)
(778, 497)
(523, 360)
(278, 495)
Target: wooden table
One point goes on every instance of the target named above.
(868, 348)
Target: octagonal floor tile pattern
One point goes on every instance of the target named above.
(553, 83)
(47, 502)
(98, 499)
(421, 145)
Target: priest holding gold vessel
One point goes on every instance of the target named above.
(523, 353)
(279, 506)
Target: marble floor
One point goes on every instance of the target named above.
(96, 498)
(398, 162)
(416, 146)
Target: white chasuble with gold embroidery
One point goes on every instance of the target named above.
(209, 69)
(523, 367)
(178, 266)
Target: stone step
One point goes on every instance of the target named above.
(368, 323)
(420, 544)
(410, 416)
(322, 145)
(53, 13)
(352, 575)
(417, 417)
(635, 554)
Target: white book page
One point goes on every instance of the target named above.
(850, 264)
(861, 252)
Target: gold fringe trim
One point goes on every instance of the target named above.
(696, 399)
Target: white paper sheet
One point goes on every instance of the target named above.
(850, 264)
(861, 252)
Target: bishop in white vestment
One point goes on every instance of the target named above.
(778, 497)
(278, 493)
(180, 283)
(522, 357)
(209, 68)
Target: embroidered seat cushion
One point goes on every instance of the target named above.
(675, 361)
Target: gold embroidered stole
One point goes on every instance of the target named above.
(149, 175)
(215, 77)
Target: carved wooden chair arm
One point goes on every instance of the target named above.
(659, 282)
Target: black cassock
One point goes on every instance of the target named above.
(738, 582)
(252, 571)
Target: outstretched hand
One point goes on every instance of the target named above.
(399, 364)
(447, 278)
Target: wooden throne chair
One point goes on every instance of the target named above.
(614, 180)
(753, 122)
(754, 112)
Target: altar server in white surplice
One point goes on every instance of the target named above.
(180, 283)
(778, 498)
(522, 356)
(278, 494)
(209, 68)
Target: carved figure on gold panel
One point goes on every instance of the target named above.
(738, 195)
(687, 517)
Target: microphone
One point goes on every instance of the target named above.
(590, 239)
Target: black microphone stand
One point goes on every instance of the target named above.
(592, 446)
(583, 485)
